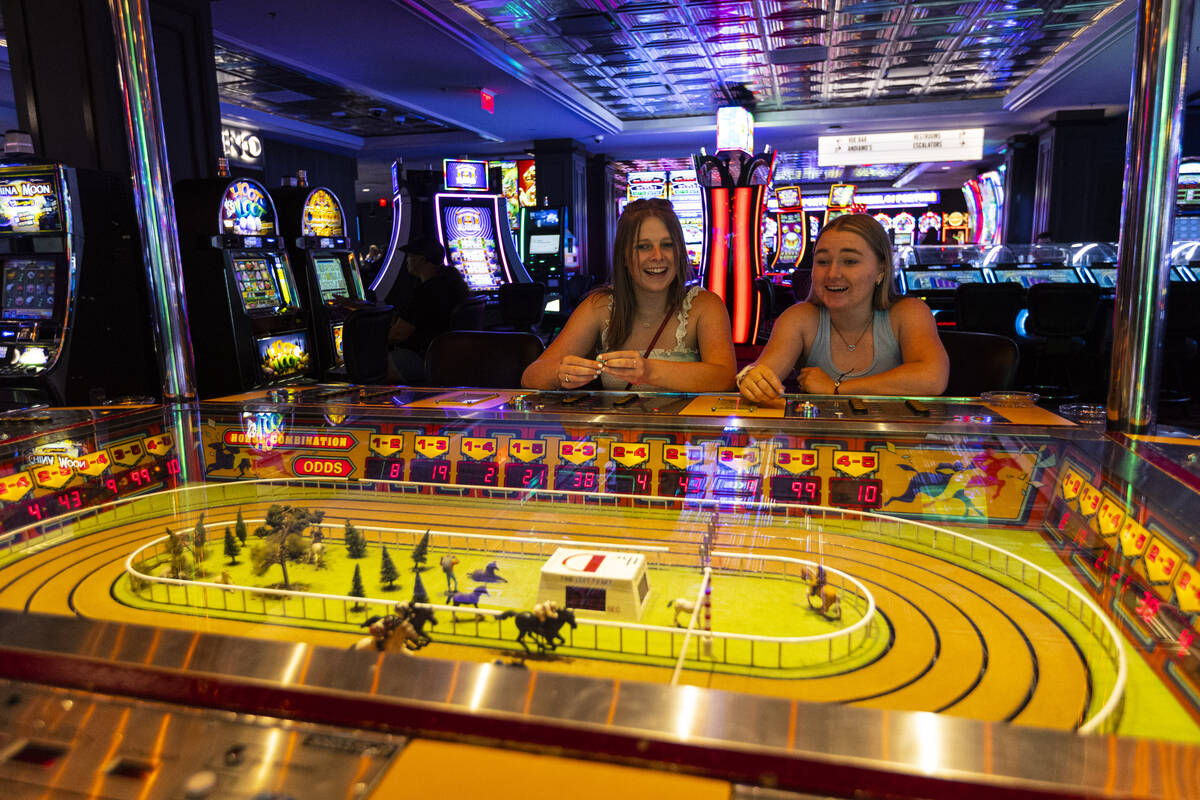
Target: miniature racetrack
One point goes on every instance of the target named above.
(962, 643)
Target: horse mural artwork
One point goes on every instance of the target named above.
(542, 625)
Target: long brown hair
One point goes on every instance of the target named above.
(629, 227)
(870, 231)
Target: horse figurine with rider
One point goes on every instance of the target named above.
(542, 624)
(402, 630)
(825, 596)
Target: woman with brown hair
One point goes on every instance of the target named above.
(648, 330)
(853, 335)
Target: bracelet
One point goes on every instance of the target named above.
(838, 381)
(737, 381)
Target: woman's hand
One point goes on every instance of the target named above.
(760, 384)
(813, 380)
(626, 365)
(574, 372)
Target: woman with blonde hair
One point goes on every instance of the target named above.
(853, 335)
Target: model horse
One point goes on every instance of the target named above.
(470, 598)
(408, 621)
(391, 633)
(682, 605)
(488, 574)
(545, 632)
(828, 602)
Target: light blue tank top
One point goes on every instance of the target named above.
(887, 349)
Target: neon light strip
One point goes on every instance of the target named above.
(743, 269)
(719, 235)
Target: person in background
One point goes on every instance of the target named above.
(647, 330)
(370, 265)
(853, 335)
(1044, 238)
(426, 311)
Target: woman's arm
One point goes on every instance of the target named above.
(926, 367)
(762, 381)
(712, 373)
(565, 364)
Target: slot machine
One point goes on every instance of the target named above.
(248, 322)
(74, 289)
(313, 227)
(543, 234)
(472, 224)
(791, 236)
(841, 201)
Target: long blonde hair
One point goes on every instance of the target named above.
(870, 231)
(629, 226)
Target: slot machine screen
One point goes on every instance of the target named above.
(1182, 273)
(925, 280)
(465, 175)
(29, 205)
(1032, 277)
(337, 329)
(543, 244)
(1105, 276)
(841, 194)
(256, 283)
(283, 356)
(29, 288)
(471, 246)
(330, 278)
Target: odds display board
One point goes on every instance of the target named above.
(267, 445)
(597, 583)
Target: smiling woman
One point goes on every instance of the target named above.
(623, 333)
(852, 335)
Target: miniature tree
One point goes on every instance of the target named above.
(387, 571)
(239, 528)
(177, 554)
(419, 594)
(420, 553)
(232, 548)
(199, 539)
(283, 538)
(356, 543)
(356, 588)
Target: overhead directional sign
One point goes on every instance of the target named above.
(964, 144)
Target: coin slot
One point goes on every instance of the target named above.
(130, 768)
(39, 754)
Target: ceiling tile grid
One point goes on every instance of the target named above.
(692, 56)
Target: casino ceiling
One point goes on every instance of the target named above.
(643, 78)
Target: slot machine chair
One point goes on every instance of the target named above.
(468, 315)
(485, 359)
(1181, 343)
(1061, 315)
(364, 346)
(989, 307)
(979, 362)
(521, 306)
